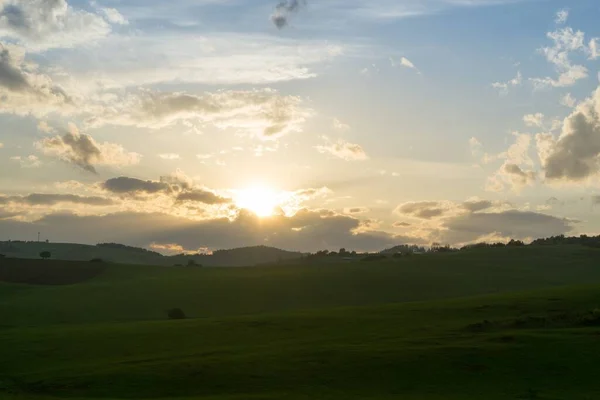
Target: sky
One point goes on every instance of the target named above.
(196, 125)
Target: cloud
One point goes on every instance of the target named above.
(202, 196)
(45, 24)
(83, 151)
(565, 41)
(44, 127)
(402, 225)
(503, 87)
(534, 120)
(477, 205)
(114, 16)
(263, 113)
(126, 185)
(48, 199)
(30, 161)
(305, 231)
(178, 186)
(339, 125)
(425, 209)
(344, 150)
(574, 155)
(284, 10)
(517, 170)
(404, 62)
(467, 228)
(356, 210)
(169, 156)
(23, 90)
(562, 16)
(518, 176)
(568, 100)
(1, 145)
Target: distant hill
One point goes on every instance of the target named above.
(117, 253)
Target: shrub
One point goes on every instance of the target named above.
(176, 313)
(45, 254)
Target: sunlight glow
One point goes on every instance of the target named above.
(261, 200)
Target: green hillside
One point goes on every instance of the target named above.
(508, 323)
(121, 254)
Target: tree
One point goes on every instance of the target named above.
(176, 313)
(45, 254)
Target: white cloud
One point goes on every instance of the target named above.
(562, 16)
(263, 113)
(114, 16)
(503, 87)
(344, 150)
(339, 125)
(404, 62)
(534, 120)
(24, 90)
(517, 170)
(565, 41)
(44, 127)
(475, 146)
(568, 100)
(44, 24)
(217, 59)
(30, 161)
(83, 151)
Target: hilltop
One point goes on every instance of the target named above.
(122, 254)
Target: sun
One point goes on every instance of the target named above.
(261, 200)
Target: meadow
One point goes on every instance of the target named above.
(506, 323)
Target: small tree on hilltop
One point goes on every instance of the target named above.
(45, 255)
(176, 313)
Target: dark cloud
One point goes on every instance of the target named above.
(518, 175)
(575, 155)
(477, 205)
(402, 224)
(43, 199)
(423, 209)
(306, 231)
(508, 224)
(83, 151)
(356, 210)
(11, 76)
(202, 196)
(284, 10)
(78, 149)
(126, 185)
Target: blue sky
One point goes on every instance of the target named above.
(357, 123)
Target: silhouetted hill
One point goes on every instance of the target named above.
(117, 253)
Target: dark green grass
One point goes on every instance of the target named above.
(397, 330)
(127, 293)
(408, 351)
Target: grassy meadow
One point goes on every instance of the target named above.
(507, 323)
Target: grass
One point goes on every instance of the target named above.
(384, 331)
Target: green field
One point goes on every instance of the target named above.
(507, 323)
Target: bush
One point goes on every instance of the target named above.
(45, 254)
(176, 313)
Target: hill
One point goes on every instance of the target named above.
(121, 254)
(487, 323)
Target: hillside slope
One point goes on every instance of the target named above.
(121, 254)
(126, 293)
